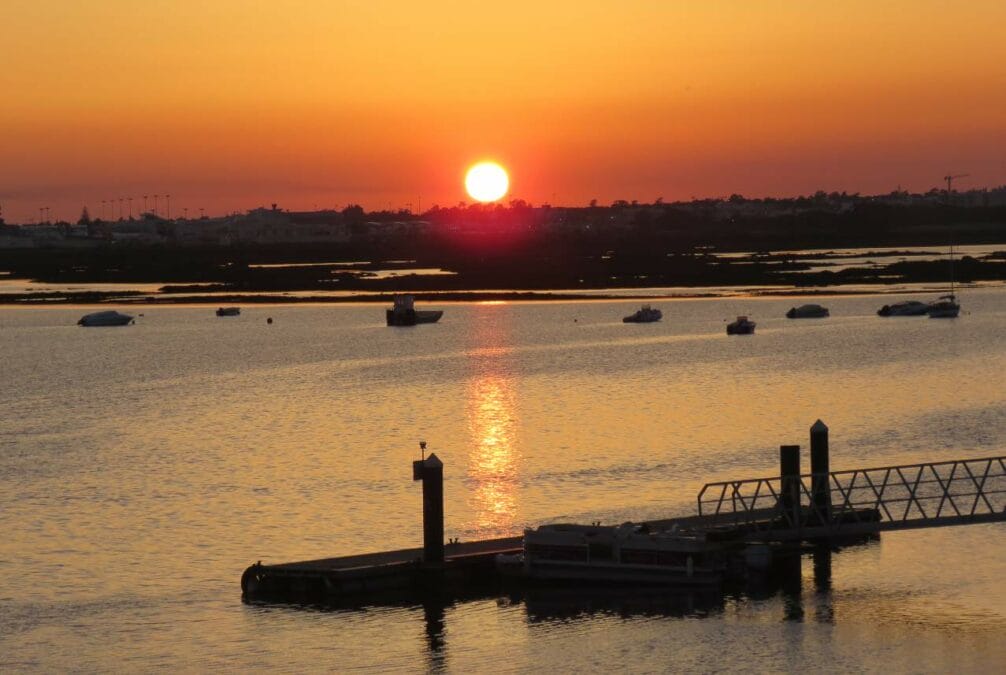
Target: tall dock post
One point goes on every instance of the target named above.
(430, 470)
(820, 471)
(789, 490)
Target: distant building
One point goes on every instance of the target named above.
(262, 226)
(150, 230)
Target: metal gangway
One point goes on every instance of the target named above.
(859, 502)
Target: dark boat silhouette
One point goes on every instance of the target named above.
(404, 313)
(645, 314)
(106, 318)
(742, 326)
(807, 312)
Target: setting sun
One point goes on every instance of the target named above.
(487, 181)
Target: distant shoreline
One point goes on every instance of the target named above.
(63, 299)
(130, 277)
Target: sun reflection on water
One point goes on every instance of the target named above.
(494, 457)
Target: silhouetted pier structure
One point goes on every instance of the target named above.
(861, 501)
(759, 519)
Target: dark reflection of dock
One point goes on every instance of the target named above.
(550, 604)
(434, 607)
(785, 582)
(547, 604)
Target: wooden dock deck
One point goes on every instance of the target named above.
(402, 569)
(402, 556)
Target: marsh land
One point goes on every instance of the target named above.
(807, 245)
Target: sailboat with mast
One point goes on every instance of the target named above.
(947, 307)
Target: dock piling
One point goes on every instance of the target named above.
(431, 472)
(789, 489)
(819, 469)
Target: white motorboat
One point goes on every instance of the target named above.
(628, 553)
(106, 318)
(807, 312)
(644, 314)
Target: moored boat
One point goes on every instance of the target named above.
(742, 326)
(228, 311)
(106, 318)
(904, 308)
(809, 311)
(944, 308)
(629, 553)
(644, 314)
(404, 313)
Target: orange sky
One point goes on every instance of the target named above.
(231, 104)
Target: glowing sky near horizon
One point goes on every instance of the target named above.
(232, 104)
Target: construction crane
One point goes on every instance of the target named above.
(950, 180)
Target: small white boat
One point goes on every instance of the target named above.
(645, 314)
(944, 308)
(228, 311)
(629, 553)
(807, 312)
(904, 308)
(742, 326)
(106, 318)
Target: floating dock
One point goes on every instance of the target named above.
(471, 563)
(755, 520)
(464, 563)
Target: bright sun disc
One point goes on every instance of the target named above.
(486, 181)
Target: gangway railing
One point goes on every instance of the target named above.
(860, 501)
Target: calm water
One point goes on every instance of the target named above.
(143, 468)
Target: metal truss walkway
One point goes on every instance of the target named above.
(859, 502)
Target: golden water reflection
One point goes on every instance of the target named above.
(494, 459)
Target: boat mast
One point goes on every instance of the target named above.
(950, 184)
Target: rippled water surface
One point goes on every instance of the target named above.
(143, 468)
